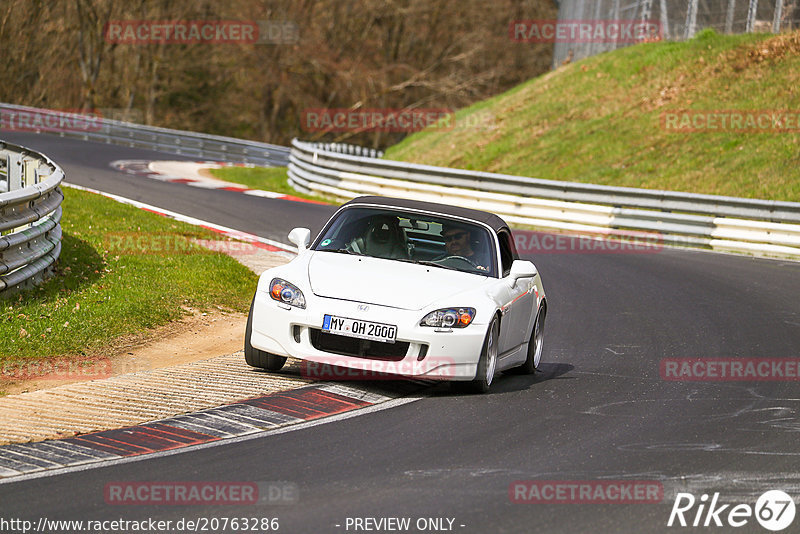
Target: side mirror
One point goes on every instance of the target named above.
(522, 269)
(300, 237)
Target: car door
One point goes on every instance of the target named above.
(519, 310)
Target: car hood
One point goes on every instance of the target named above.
(386, 282)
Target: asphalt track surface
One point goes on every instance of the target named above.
(598, 410)
(87, 164)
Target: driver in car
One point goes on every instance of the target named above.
(458, 242)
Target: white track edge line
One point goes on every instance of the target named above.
(238, 234)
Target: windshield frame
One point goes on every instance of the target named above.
(493, 247)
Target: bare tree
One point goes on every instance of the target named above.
(398, 54)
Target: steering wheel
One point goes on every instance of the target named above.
(462, 258)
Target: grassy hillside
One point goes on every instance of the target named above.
(600, 120)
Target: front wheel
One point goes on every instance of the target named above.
(487, 364)
(255, 357)
(535, 346)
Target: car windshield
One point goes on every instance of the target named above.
(433, 240)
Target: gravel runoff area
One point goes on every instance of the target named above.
(136, 398)
(147, 395)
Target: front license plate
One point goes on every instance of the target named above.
(360, 329)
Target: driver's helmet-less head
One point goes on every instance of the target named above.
(456, 231)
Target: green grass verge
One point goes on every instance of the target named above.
(600, 120)
(114, 279)
(273, 179)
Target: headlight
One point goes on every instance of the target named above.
(283, 291)
(449, 318)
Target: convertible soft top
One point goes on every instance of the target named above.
(495, 222)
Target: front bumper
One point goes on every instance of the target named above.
(442, 354)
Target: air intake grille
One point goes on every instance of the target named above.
(360, 348)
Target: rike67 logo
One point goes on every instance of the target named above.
(774, 510)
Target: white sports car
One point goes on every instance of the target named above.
(406, 288)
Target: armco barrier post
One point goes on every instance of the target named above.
(14, 168)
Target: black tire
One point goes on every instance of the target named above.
(535, 346)
(255, 357)
(487, 364)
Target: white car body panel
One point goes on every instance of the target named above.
(386, 282)
(396, 293)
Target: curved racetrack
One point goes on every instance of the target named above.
(599, 409)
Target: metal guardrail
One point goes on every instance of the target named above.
(346, 171)
(344, 148)
(202, 146)
(710, 221)
(30, 213)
